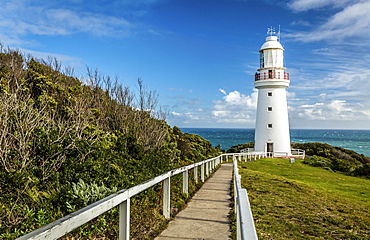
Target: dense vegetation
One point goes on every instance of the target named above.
(335, 158)
(65, 144)
(237, 148)
(298, 201)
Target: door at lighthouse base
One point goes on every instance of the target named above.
(270, 147)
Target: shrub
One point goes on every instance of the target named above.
(64, 144)
(83, 194)
(335, 158)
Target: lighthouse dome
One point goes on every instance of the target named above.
(271, 42)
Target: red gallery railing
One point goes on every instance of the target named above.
(271, 75)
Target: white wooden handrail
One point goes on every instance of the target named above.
(74, 220)
(245, 229)
(245, 224)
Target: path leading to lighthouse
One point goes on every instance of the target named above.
(206, 216)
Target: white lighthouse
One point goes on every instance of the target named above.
(272, 123)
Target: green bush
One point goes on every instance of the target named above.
(64, 145)
(335, 158)
(83, 194)
(239, 147)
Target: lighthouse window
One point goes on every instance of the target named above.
(262, 60)
(269, 109)
(269, 125)
(269, 94)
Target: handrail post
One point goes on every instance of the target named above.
(166, 198)
(196, 174)
(207, 168)
(185, 182)
(124, 220)
(202, 172)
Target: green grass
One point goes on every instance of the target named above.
(297, 201)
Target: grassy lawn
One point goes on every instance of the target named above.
(297, 201)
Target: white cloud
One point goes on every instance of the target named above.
(304, 5)
(68, 60)
(352, 21)
(175, 113)
(235, 107)
(340, 95)
(301, 23)
(11, 40)
(331, 110)
(320, 50)
(180, 90)
(290, 94)
(184, 117)
(19, 18)
(342, 81)
(70, 22)
(222, 91)
(236, 98)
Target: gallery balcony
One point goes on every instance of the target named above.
(271, 75)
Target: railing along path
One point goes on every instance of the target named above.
(245, 228)
(245, 225)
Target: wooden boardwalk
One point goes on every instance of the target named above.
(206, 216)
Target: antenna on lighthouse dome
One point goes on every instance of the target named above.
(271, 31)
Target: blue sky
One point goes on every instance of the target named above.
(201, 55)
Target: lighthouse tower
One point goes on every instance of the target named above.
(272, 123)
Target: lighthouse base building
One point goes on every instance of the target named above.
(272, 124)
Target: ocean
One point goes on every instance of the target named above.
(356, 140)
